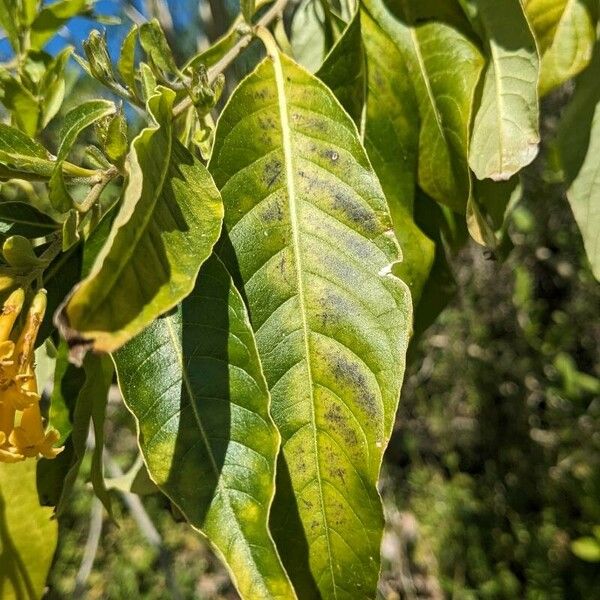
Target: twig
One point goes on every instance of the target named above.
(274, 12)
(96, 190)
(90, 549)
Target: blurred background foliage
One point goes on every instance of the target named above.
(492, 479)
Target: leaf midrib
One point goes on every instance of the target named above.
(294, 223)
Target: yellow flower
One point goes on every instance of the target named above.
(8, 456)
(29, 438)
(21, 427)
(18, 371)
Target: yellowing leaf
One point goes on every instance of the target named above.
(310, 237)
(27, 534)
(169, 220)
(566, 33)
(506, 129)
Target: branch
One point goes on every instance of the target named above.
(91, 547)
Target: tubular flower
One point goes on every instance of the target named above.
(21, 428)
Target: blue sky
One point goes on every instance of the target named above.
(182, 12)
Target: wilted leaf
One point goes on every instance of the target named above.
(167, 224)
(312, 245)
(505, 134)
(27, 534)
(566, 32)
(578, 145)
(194, 383)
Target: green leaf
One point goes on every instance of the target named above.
(566, 32)
(99, 62)
(78, 119)
(18, 252)
(586, 548)
(126, 62)
(169, 219)
(488, 207)
(23, 105)
(59, 278)
(58, 194)
(154, 43)
(248, 7)
(18, 218)
(68, 381)
(115, 142)
(101, 369)
(8, 22)
(27, 534)
(216, 51)
(148, 81)
(51, 18)
(434, 39)
(52, 85)
(391, 140)
(313, 33)
(578, 146)
(29, 10)
(448, 231)
(312, 245)
(193, 381)
(16, 142)
(88, 407)
(70, 230)
(506, 134)
(343, 70)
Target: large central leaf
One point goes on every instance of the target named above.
(310, 238)
(194, 384)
